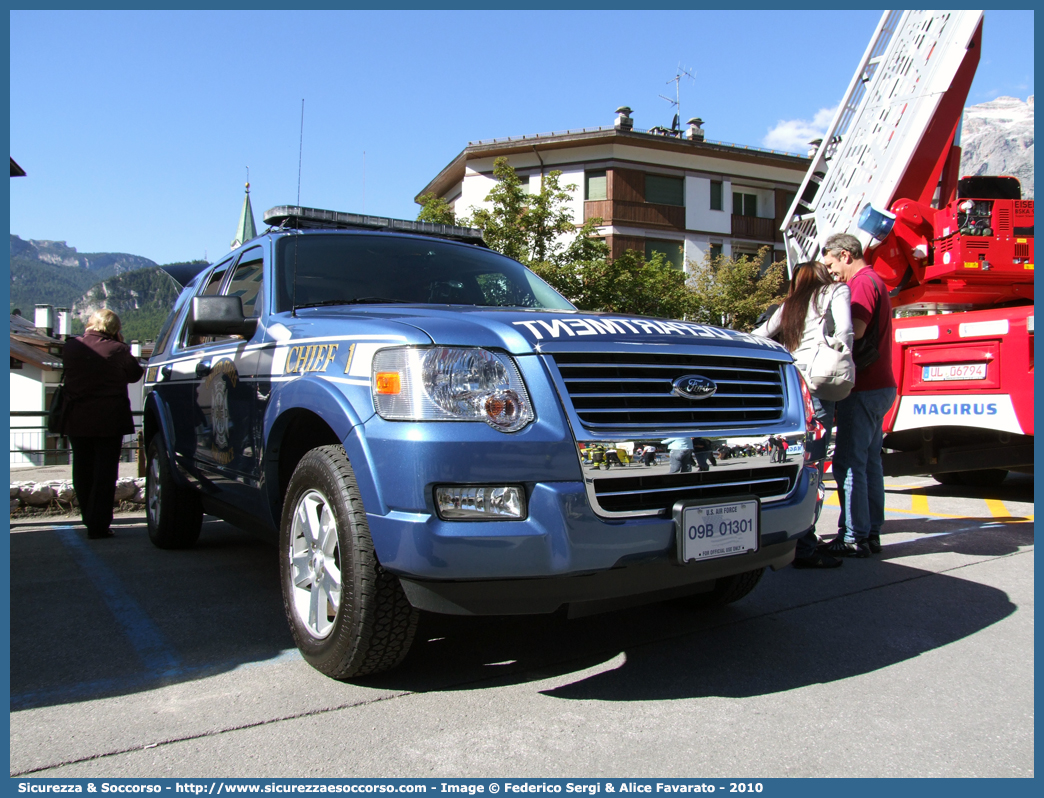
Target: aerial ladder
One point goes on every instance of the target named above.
(955, 253)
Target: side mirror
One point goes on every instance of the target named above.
(220, 315)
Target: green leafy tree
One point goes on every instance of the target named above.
(733, 292)
(538, 230)
(436, 210)
(627, 284)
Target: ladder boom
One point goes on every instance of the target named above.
(891, 135)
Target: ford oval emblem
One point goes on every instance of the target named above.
(693, 386)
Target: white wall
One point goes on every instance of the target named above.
(698, 215)
(576, 203)
(474, 189)
(27, 390)
(27, 393)
(696, 249)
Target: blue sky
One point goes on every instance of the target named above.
(136, 128)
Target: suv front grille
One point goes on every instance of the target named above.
(623, 391)
(658, 492)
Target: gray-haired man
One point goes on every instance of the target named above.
(857, 451)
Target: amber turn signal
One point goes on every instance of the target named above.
(388, 382)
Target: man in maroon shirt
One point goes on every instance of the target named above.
(857, 451)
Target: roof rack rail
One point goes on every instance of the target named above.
(294, 217)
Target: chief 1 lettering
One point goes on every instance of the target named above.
(302, 359)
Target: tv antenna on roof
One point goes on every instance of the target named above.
(676, 102)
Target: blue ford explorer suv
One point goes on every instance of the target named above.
(423, 424)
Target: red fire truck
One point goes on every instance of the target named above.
(956, 254)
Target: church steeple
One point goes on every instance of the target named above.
(246, 229)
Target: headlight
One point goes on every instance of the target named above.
(450, 384)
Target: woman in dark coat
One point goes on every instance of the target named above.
(98, 369)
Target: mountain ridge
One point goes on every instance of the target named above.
(58, 253)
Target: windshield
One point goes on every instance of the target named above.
(319, 269)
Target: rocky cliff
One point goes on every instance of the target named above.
(58, 253)
(997, 139)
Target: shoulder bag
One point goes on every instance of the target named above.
(59, 406)
(831, 370)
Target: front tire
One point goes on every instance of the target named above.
(175, 514)
(349, 616)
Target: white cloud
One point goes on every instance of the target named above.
(793, 135)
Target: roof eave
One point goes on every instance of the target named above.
(452, 173)
(455, 170)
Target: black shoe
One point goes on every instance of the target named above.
(838, 547)
(874, 543)
(108, 533)
(818, 560)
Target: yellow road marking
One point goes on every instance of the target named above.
(919, 504)
(923, 513)
(920, 508)
(997, 508)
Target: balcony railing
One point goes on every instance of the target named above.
(754, 227)
(647, 214)
(33, 445)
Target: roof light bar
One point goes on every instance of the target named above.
(292, 216)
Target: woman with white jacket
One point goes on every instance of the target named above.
(798, 325)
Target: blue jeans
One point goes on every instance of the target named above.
(857, 462)
(681, 460)
(806, 545)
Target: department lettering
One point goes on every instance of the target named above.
(568, 328)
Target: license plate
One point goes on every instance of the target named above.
(725, 529)
(956, 371)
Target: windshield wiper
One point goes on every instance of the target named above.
(361, 300)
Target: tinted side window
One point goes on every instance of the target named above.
(214, 283)
(168, 325)
(213, 288)
(246, 282)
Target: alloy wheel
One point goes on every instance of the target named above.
(315, 564)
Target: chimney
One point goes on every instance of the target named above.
(623, 121)
(44, 319)
(695, 131)
(63, 322)
(813, 147)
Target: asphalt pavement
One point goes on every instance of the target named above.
(131, 661)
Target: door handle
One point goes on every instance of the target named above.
(203, 368)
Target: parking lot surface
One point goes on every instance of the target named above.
(131, 661)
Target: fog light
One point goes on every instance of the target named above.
(480, 502)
